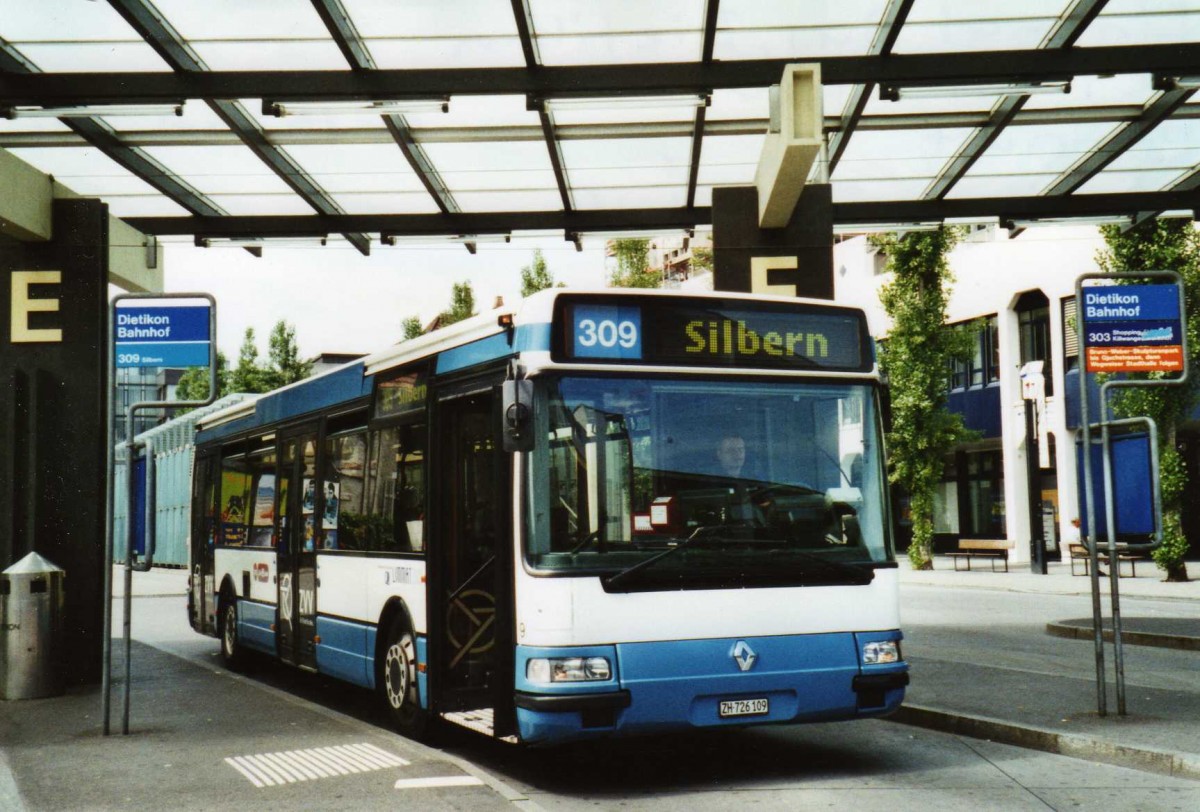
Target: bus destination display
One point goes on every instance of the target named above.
(713, 333)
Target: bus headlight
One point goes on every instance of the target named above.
(568, 669)
(880, 652)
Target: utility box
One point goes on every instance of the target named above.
(31, 629)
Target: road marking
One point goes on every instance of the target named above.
(439, 781)
(291, 766)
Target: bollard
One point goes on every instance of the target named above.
(31, 629)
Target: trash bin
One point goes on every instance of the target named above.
(31, 629)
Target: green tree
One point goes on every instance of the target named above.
(1163, 245)
(917, 360)
(284, 364)
(702, 260)
(193, 384)
(633, 266)
(535, 276)
(248, 376)
(411, 327)
(462, 304)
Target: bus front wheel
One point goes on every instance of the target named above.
(232, 653)
(398, 682)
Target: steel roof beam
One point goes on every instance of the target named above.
(1190, 182)
(166, 41)
(636, 79)
(712, 10)
(1063, 35)
(1115, 144)
(352, 46)
(888, 211)
(103, 138)
(886, 35)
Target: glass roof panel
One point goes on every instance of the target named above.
(611, 49)
(32, 125)
(447, 52)
(374, 203)
(856, 190)
(75, 165)
(424, 18)
(1001, 185)
(749, 102)
(478, 111)
(965, 104)
(953, 10)
(94, 57)
(775, 13)
(972, 35)
(1174, 144)
(466, 165)
(625, 162)
(651, 197)
(782, 43)
(587, 16)
(498, 180)
(251, 54)
(1124, 23)
(870, 151)
(144, 206)
(220, 170)
(510, 200)
(1039, 148)
(238, 19)
(357, 168)
(1111, 180)
(729, 159)
(625, 177)
(23, 21)
(239, 204)
(107, 185)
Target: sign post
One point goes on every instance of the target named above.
(167, 330)
(1124, 329)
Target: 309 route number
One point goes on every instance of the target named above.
(607, 333)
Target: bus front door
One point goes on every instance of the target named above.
(201, 607)
(474, 646)
(295, 512)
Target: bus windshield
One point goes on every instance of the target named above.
(659, 483)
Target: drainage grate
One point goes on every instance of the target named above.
(292, 766)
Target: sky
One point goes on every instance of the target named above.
(340, 301)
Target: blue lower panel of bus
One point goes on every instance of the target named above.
(662, 686)
(345, 652)
(254, 625)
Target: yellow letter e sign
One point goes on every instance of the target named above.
(23, 305)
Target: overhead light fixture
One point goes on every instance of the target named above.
(883, 228)
(1162, 81)
(256, 242)
(94, 110)
(562, 104)
(356, 108)
(894, 93)
(629, 234)
(1102, 220)
(437, 239)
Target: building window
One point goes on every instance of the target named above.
(981, 495)
(1070, 334)
(983, 366)
(1033, 318)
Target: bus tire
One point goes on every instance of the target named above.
(233, 653)
(397, 681)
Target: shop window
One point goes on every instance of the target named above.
(981, 495)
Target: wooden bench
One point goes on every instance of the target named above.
(992, 549)
(1079, 552)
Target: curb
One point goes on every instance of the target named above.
(1178, 765)
(1172, 641)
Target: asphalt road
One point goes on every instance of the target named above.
(849, 765)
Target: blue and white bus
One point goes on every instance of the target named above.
(599, 514)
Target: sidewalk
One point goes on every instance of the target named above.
(1037, 706)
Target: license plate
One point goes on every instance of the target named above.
(743, 707)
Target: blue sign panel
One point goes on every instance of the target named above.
(162, 336)
(607, 332)
(1131, 333)
(1131, 303)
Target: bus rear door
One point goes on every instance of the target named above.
(296, 517)
(202, 611)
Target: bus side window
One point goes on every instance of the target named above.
(235, 494)
(395, 505)
(343, 523)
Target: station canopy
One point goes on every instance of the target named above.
(468, 119)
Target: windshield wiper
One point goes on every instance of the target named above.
(704, 531)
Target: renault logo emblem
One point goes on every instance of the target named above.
(743, 655)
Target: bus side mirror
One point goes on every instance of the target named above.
(516, 415)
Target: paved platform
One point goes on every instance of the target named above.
(205, 737)
(1036, 707)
